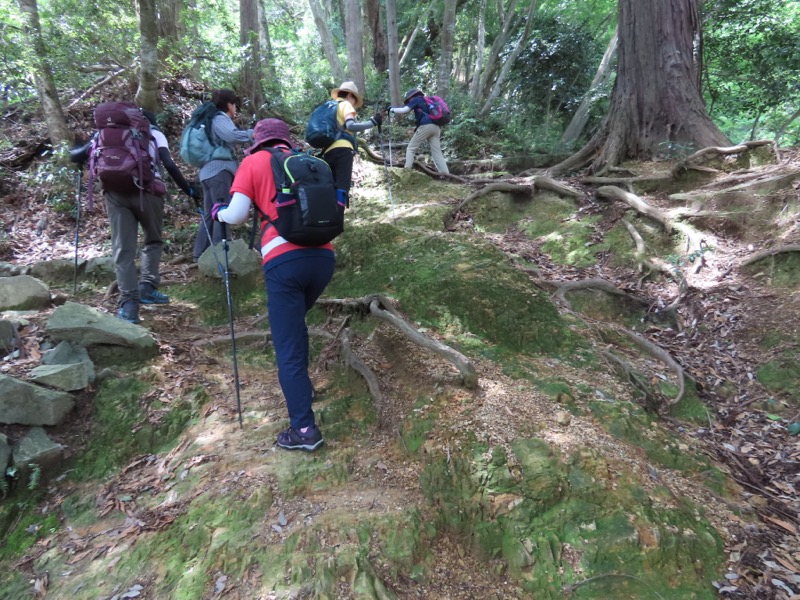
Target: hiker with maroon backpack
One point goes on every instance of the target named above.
(428, 125)
(217, 174)
(124, 155)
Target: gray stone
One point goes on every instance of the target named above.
(9, 269)
(67, 353)
(36, 448)
(23, 292)
(57, 271)
(69, 378)
(101, 269)
(5, 454)
(8, 336)
(242, 261)
(28, 404)
(109, 340)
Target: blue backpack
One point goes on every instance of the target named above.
(323, 128)
(197, 147)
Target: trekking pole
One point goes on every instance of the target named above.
(77, 228)
(226, 277)
(385, 168)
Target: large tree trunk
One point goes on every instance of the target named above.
(395, 96)
(251, 81)
(326, 39)
(581, 116)
(656, 105)
(147, 94)
(355, 50)
(481, 43)
(43, 75)
(448, 41)
(379, 49)
(170, 27)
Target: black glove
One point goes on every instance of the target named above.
(388, 108)
(196, 193)
(377, 118)
(80, 154)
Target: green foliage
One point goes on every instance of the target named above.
(752, 67)
(52, 182)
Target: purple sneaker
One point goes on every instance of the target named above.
(294, 439)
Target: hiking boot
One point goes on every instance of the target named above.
(129, 311)
(294, 439)
(150, 295)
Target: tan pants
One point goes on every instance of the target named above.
(432, 134)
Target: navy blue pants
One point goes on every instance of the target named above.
(292, 288)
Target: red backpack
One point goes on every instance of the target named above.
(438, 111)
(120, 155)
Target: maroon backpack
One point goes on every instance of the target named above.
(120, 155)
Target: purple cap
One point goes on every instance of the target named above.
(270, 129)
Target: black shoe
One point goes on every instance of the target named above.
(129, 311)
(293, 439)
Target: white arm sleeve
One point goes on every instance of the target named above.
(401, 110)
(237, 210)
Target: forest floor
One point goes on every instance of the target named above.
(746, 430)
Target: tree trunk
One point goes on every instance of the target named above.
(326, 39)
(147, 94)
(448, 40)
(354, 34)
(479, 51)
(270, 83)
(170, 27)
(394, 62)
(581, 116)
(509, 61)
(493, 57)
(379, 49)
(251, 81)
(43, 75)
(656, 106)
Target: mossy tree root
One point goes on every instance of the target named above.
(615, 193)
(562, 287)
(769, 253)
(351, 360)
(690, 162)
(379, 306)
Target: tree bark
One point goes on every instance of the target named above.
(394, 61)
(147, 94)
(170, 27)
(379, 47)
(656, 105)
(447, 41)
(479, 51)
(354, 34)
(43, 76)
(326, 39)
(581, 116)
(251, 80)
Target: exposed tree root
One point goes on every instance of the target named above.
(243, 337)
(379, 160)
(658, 352)
(713, 151)
(641, 247)
(525, 187)
(768, 253)
(562, 287)
(355, 363)
(380, 307)
(632, 200)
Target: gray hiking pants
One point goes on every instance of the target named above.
(432, 134)
(215, 189)
(125, 213)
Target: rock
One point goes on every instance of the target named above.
(57, 271)
(67, 353)
(101, 269)
(5, 454)
(109, 340)
(36, 448)
(63, 377)
(28, 404)
(23, 292)
(563, 418)
(8, 336)
(9, 269)
(242, 262)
